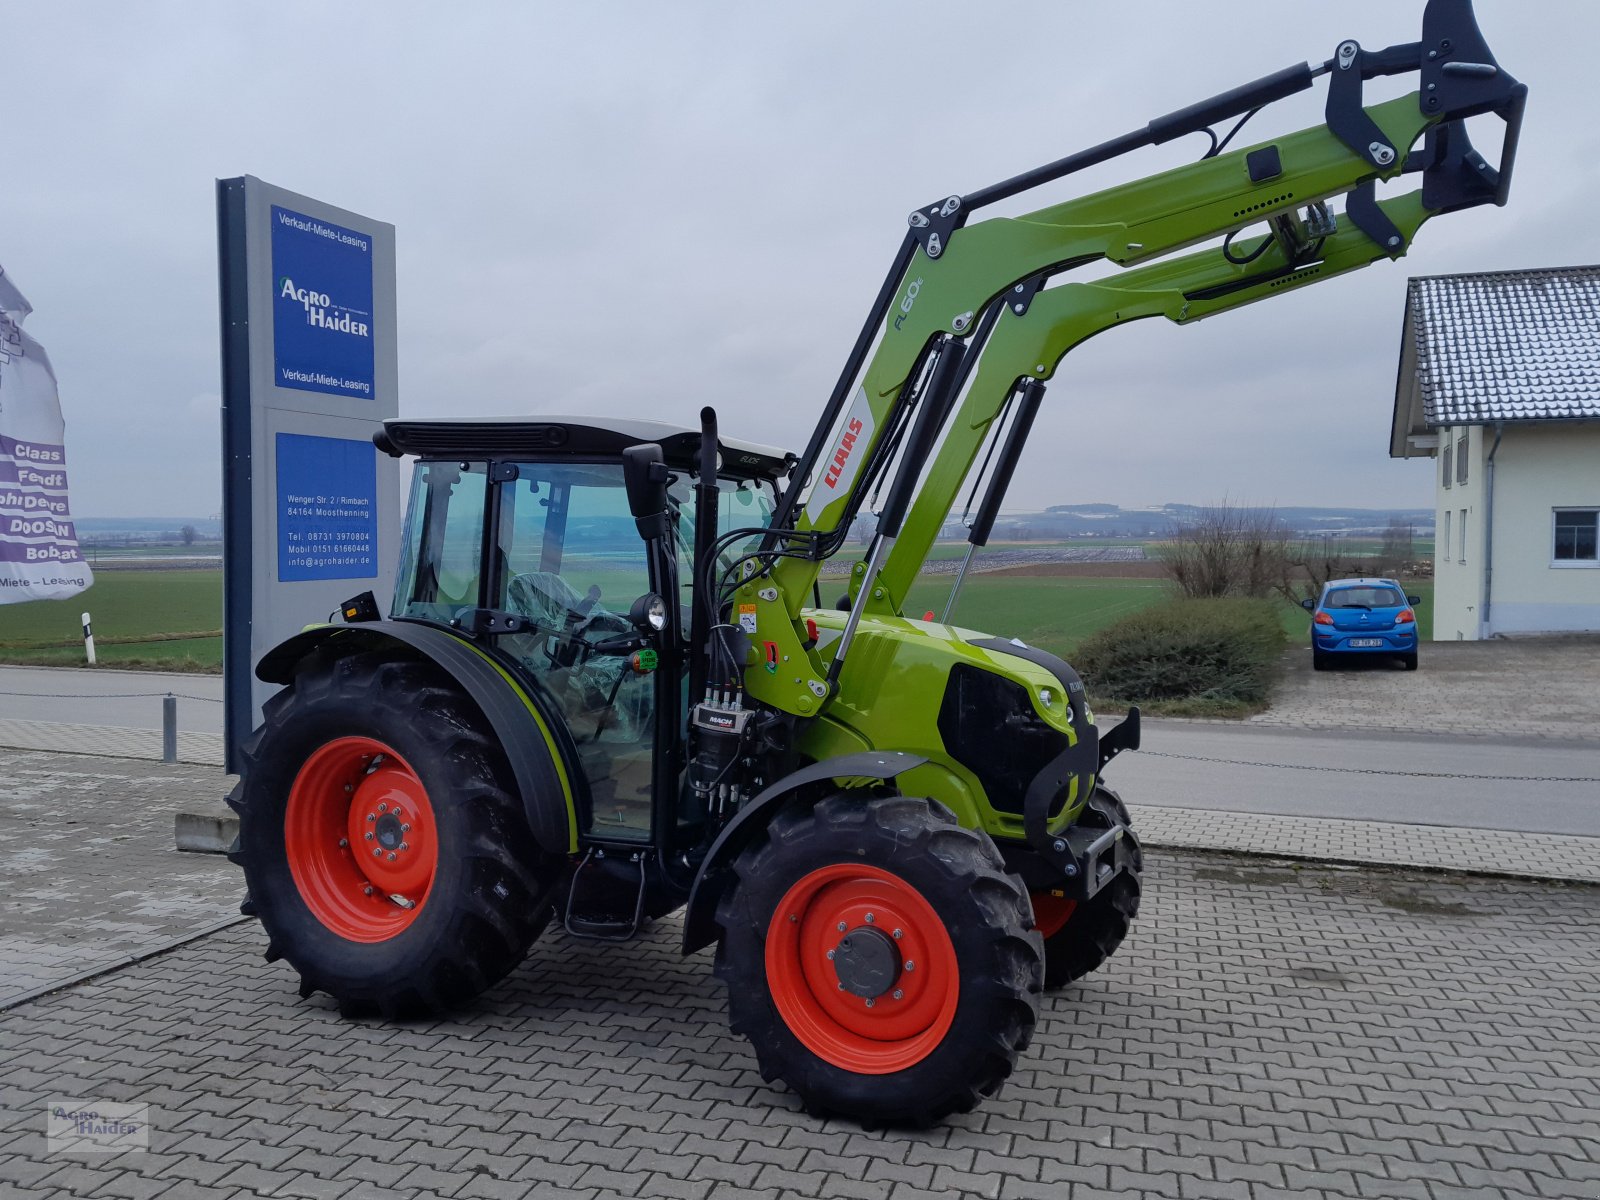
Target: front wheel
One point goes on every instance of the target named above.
(879, 958)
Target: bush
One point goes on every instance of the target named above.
(1221, 653)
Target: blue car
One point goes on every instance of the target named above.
(1363, 616)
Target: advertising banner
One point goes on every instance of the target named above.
(39, 555)
(310, 508)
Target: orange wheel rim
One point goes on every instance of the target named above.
(1051, 912)
(360, 839)
(862, 969)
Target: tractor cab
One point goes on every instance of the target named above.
(520, 533)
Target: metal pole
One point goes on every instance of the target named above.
(169, 728)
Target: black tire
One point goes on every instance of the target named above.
(1320, 661)
(1409, 661)
(997, 957)
(490, 892)
(1097, 926)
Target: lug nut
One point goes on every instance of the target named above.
(899, 995)
(841, 926)
(910, 966)
(897, 935)
(372, 816)
(794, 918)
(405, 828)
(367, 891)
(369, 835)
(376, 852)
(349, 787)
(391, 856)
(384, 807)
(830, 953)
(869, 1001)
(841, 987)
(870, 918)
(343, 842)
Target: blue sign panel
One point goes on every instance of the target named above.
(327, 508)
(321, 306)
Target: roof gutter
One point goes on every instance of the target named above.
(1488, 530)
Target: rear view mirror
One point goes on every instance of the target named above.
(1413, 599)
(1308, 605)
(645, 474)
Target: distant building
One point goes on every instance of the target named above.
(1500, 383)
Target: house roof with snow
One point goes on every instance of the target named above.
(1499, 346)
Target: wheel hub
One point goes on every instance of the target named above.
(866, 962)
(387, 831)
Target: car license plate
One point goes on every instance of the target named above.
(1365, 643)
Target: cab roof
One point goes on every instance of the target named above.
(557, 436)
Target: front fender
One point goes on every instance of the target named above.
(515, 718)
(699, 918)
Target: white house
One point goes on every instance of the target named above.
(1500, 383)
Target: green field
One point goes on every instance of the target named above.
(125, 606)
(1055, 613)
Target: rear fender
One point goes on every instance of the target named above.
(716, 871)
(514, 716)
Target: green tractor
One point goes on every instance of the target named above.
(610, 685)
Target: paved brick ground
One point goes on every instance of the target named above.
(90, 878)
(88, 874)
(1267, 1032)
(1526, 687)
(1494, 852)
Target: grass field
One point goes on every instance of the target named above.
(130, 608)
(127, 607)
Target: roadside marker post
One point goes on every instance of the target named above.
(169, 728)
(88, 639)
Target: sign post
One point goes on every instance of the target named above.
(310, 508)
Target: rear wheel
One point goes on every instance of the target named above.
(386, 853)
(1320, 661)
(879, 958)
(1409, 661)
(1080, 935)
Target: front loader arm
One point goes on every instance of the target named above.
(950, 282)
(1060, 319)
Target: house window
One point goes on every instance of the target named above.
(1461, 459)
(1463, 535)
(1444, 542)
(1446, 472)
(1577, 536)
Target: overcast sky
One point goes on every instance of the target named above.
(641, 208)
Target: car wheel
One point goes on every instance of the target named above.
(1409, 661)
(1320, 661)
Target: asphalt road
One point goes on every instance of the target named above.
(1363, 775)
(1459, 788)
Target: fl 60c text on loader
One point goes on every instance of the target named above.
(610, 686)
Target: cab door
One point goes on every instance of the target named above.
(567, 556)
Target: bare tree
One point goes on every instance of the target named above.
(1310, 564)
(1398, 555)
(189, 534)
(1228, 550)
